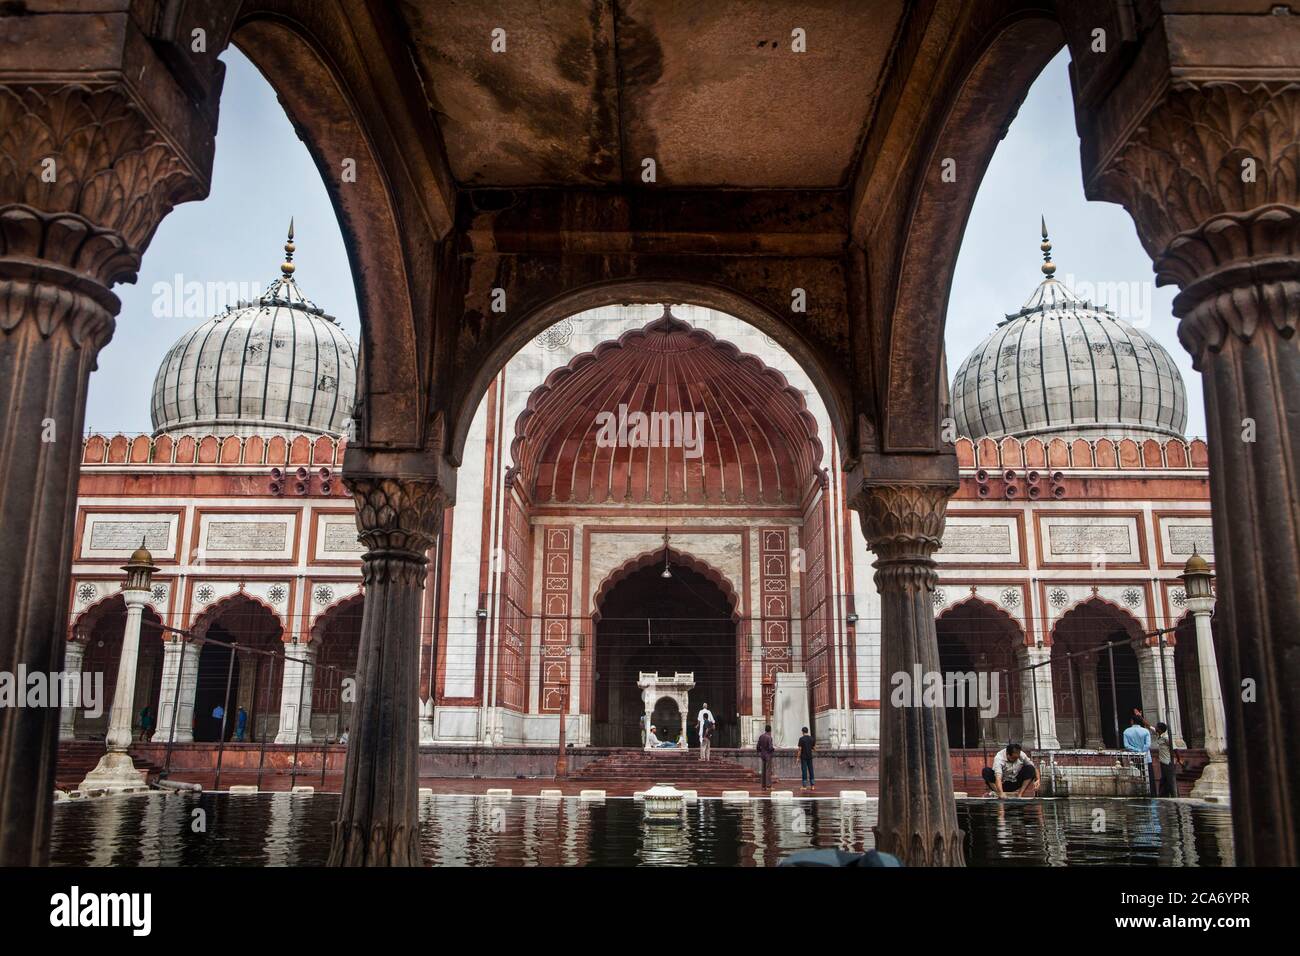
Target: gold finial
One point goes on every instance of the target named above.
(286, 267)
(1048, 266)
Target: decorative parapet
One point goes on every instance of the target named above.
(211, 450)
(1120, 454)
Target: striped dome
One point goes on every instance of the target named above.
(279, 365)
(1063, 365)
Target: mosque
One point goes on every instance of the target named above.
(659, 495)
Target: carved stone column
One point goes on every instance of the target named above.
(85, 177)
(1209, 168)
(903, 524)
(378, 825)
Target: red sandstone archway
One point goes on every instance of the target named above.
(337, 636)
(1080, 718)
(645, 622)
(737, 431)
(976, 635)
(252, 681)
(827, 374)
(100, 629)
(989, 79)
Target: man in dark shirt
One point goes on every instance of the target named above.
(766, 751)
(806, 761)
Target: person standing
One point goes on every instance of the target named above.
(241, 722)
(806, 746)
(1168, 761)
(701, 717)
(219, 715)
(706, 738)
(1137, 739)
(146, 723)
(766, 751)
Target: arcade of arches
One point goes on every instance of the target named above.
(544, 207)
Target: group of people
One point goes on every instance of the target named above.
(1014, 773)
(805, 748)
(1139, 738)
(706, 727)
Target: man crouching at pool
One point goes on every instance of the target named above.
(1012, 771)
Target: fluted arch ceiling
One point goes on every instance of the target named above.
(759, 441)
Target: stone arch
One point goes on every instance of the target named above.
(975, 634)
(309, 56)
(224, 605)
(654, 558)
(336, 635)
(99, 629)
(762, 446)
(688, 623)
(1002, 61)
(1088, 714)
(826, 374)
(252, 680)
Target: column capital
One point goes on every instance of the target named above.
(903, 523)
(398, 520)
(86, 176)
(1210, 172)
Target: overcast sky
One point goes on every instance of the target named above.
(263, 175)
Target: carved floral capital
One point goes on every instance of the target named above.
(398, 520)
(85, 179)
(1212, 179)
(903, 525)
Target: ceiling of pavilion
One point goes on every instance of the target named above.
(759, 446)
(712, 91)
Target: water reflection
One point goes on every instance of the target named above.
(281, 829)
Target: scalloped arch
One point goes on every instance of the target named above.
(655, 557)
(759, 442)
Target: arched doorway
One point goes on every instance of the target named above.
(251, 681)
(1099, 689)
(975, 637)
(100, 630)
(678, 624)
(338, 638)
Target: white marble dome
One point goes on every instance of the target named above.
(1065, 367)
(276, 366)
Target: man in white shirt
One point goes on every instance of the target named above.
(1012, 772)
(699, 719)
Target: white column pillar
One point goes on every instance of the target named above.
(176, 709)
(73, 654)
(1213, 784)
(1037, 707)
(1155, 672)
(116, 770)
(295, 694)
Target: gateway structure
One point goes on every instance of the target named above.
(580, 564)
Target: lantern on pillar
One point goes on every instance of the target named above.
(139, 570)
(1198, 581)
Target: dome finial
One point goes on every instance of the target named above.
(286, 267)
(1048, 266)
